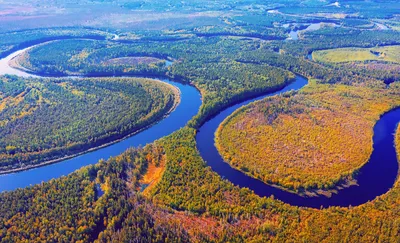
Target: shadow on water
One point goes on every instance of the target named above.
(374, 179)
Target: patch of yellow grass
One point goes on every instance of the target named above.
(80, 56)
(78, 92)
(342, 55)
(153, 174)
(3, 103)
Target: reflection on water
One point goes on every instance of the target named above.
(374, 179)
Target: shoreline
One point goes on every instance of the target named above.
(311, 192)
(53, 161)
(15, 64)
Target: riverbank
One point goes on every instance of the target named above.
(49, 162)
(12, 63)
(354, 195)
(307, 143)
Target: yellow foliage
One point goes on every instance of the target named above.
(313, 139)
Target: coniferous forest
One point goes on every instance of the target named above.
(235, 121)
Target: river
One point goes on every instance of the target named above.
(187, 108)
(374, 179)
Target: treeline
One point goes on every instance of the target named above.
(60, 57)
(87, 57)
(389, 73)
(325, 74)
(49, 119)
(13, 41)
(329, 38)
(250, 31)
(378, 62)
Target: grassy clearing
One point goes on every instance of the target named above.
(343, 55)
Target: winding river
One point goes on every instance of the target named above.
(374, 179)
(187, 108)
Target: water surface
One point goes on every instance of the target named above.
(374, 179)
(187, 108)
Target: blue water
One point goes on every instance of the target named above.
(188, 107)
(168, 63)
(294, 34)
(99, 191)
(374, 179)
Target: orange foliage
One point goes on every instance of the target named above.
(156, 166)
(313, 139)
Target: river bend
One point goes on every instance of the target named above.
(190, 101)
(374, 179)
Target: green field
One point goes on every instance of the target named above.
(344, 55)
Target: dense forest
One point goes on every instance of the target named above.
(190, 203)
(12, 41)
(69, 57)
(226, 80)
(314, 138)
(43, 119)
(327, 135)
(97, 203)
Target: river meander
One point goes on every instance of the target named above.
(374, 179)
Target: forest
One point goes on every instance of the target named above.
(12, 41)
(311, 140)
(378, 62)
(103, 203)
(315, 138)
(330, 38)
(98, 203)
(226, 80)
(74, 115)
